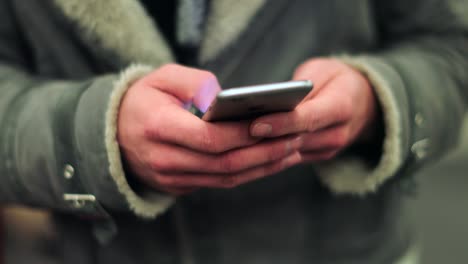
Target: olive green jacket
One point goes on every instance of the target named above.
(65, 65)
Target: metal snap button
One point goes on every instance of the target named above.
(419, 120)
(420, 148)
(68, 171)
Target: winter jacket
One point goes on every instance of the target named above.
(66, 64)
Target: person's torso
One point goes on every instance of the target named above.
(285, 218)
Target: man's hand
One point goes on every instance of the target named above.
(340, 111)
(172, 150)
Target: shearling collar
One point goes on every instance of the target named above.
(124, 27)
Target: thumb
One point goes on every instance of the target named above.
(186, 84)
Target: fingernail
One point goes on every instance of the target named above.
(290, 161)
(293, 145)
(261, 130)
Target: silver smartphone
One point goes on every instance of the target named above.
(248, 102)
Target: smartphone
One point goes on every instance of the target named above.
(249, 102)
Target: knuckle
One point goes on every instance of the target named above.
(208, 76)
(340, 139)
(274, 168)
(345, 136)
(151, 127)
(336, 63)
(301, 69)
(175, 181)
(229, 182)
(310, 63)
(307, 68)
(276, 152)
(159, 164)
(169, 67)
(163, 180)
(227, 163)
(149, 132)
(312, 123)
(208, 141)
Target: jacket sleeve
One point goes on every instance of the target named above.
(420, 76)
(58, 143)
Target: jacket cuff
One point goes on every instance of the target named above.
(351, 174)
(147, 204)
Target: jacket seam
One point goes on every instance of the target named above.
(11, 124)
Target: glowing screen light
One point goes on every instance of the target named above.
(206, 94)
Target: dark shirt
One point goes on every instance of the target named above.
(164, 14)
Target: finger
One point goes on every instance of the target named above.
(335, 137)
(324, 110)
(318, 156)
(226, 181)
(177, 191)
(179, 159)
(319, 71)
(187, 84)
(178, 126)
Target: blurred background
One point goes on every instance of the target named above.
(440, 208)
